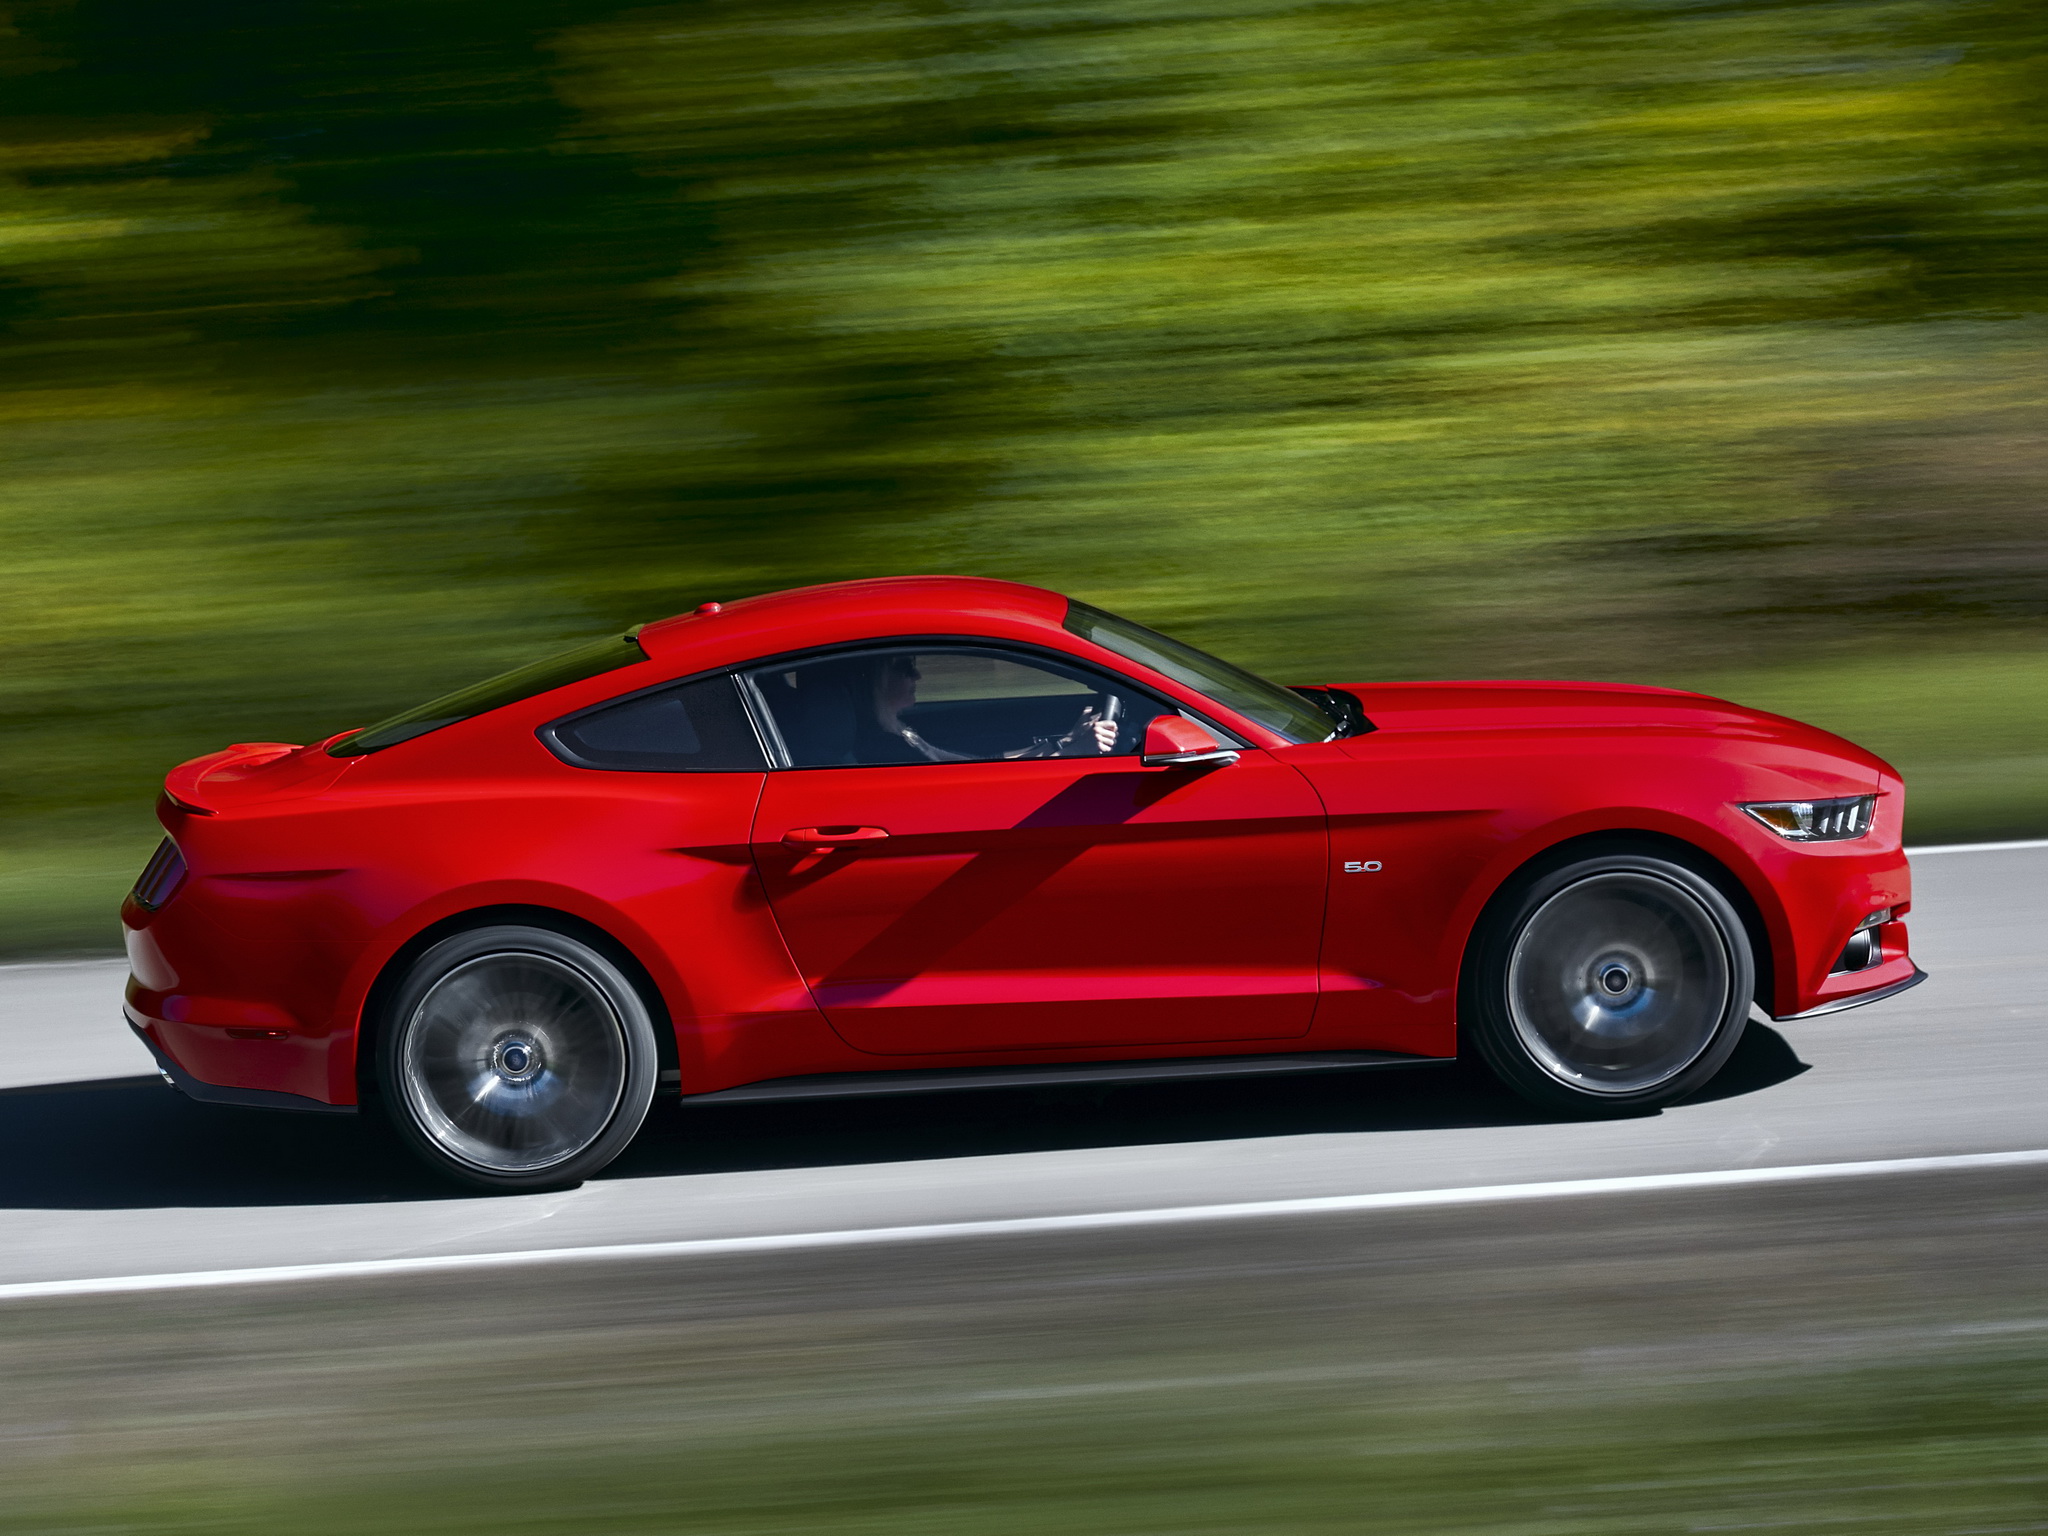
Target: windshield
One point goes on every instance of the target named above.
(1280, 710)
(606, 655)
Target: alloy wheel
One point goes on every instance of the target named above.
(1619, 982)
(513, 1063)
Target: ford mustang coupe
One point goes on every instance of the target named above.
(936, 832)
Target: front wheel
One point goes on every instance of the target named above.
(1610, 986)
(517, 1058)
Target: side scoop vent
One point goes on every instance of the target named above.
(161, 876)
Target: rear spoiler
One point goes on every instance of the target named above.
(185, 785)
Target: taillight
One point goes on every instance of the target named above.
(161, 876)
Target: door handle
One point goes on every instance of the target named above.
(811, 837)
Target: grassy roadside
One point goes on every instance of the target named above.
(1903, 1451)
(61, 886)
(1969, 729)
(1801, 1361)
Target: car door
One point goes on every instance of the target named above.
(978, 861)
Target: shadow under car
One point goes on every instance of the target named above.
(133, 1143)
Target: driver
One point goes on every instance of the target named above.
(893, 689)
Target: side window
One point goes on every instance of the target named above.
(946, 704)
(698, 727)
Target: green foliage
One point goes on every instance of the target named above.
(353, 350)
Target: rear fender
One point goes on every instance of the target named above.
(384, 961)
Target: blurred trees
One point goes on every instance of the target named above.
(352, 350)
(1283, 295)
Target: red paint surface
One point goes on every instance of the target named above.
(1065, 902)
(1309, 897)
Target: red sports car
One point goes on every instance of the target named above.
(887, 836)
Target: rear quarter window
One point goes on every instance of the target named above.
(698, 727)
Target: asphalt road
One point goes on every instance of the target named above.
(105, 1171)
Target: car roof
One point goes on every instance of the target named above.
(855, 610)
(892, 607)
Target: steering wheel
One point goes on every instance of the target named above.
(1109, 709)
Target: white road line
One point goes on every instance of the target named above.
(2030, 842)
(1404, 1200)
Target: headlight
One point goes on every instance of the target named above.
(1817, 821)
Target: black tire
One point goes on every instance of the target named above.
(516, 1058)
(1609, 986)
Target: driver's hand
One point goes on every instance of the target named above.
(1090, 733)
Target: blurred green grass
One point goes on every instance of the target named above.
(351, 350)
(1936, 1447)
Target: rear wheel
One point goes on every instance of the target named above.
(517, 1058)
(1612, 985)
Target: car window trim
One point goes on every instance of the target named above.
(764, 723)
(766, 731)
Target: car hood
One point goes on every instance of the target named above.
(1512, 706)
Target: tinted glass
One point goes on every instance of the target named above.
(606, 655)
(699, 727)
(1280, 710)
(951, 704)
(161, 876)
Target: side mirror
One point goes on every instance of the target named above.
(1173, 741)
